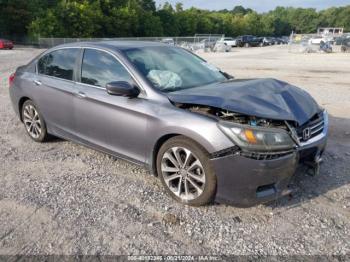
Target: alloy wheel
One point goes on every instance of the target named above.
(32, 121)
(183, 173)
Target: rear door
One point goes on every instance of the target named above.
(114, 123)
(56, 89)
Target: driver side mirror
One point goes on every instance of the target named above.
(122, 88)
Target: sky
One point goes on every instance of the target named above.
(257, 5)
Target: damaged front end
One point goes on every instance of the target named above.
(253, 137)
(259, 166)
(267, 139)
(226, 115)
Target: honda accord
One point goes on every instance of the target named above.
(206, 135)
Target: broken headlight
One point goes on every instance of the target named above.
(257, 138)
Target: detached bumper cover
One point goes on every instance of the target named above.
(244, 181)
(239, 178)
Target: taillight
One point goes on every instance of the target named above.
(11, 79)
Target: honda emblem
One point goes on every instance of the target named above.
(306, 133)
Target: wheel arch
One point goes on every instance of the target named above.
(21, 101)
(160, 142)
(155, 151)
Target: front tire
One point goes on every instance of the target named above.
(34, 122)
(185, 171)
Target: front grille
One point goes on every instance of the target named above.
(311, 129)
(266, 155)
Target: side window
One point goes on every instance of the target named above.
(99, 68)
(59, 63)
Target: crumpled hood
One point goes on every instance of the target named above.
(265, 98)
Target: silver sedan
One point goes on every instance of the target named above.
(206, 135)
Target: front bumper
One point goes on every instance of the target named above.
(245, 182)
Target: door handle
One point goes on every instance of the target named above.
(37, 82)
(81, 94)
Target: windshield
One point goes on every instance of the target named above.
(171, 69)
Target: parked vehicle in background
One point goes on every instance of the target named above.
(286, 39)
(228, 41)
(247, 41)
(278, 41)
(206, 135)
(326, 47)
(316, 40)
(6, 44)
(265, 41)
(345, 46)
(339, 40)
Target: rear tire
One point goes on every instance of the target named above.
(185, 171)
(34, 122)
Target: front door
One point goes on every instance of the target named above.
(115, 123)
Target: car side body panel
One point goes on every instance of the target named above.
(51, 96)
(114, 122)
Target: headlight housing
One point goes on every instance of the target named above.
(257, 138)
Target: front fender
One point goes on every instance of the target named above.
(199, 128)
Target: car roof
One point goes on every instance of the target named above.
(112, 44)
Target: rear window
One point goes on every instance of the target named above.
(59, 63)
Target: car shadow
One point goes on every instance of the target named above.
(334, 171)
(54, 139)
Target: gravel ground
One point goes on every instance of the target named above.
(62, 198)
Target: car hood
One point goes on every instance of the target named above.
(265, 98)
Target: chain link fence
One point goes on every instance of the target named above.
(191, 41)
(298, 43)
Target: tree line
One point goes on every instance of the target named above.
(142, 18)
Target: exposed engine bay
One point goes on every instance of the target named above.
(233, 116)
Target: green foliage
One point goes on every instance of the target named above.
(123, 18)
(240, 10)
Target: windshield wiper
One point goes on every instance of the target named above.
(228, 76)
